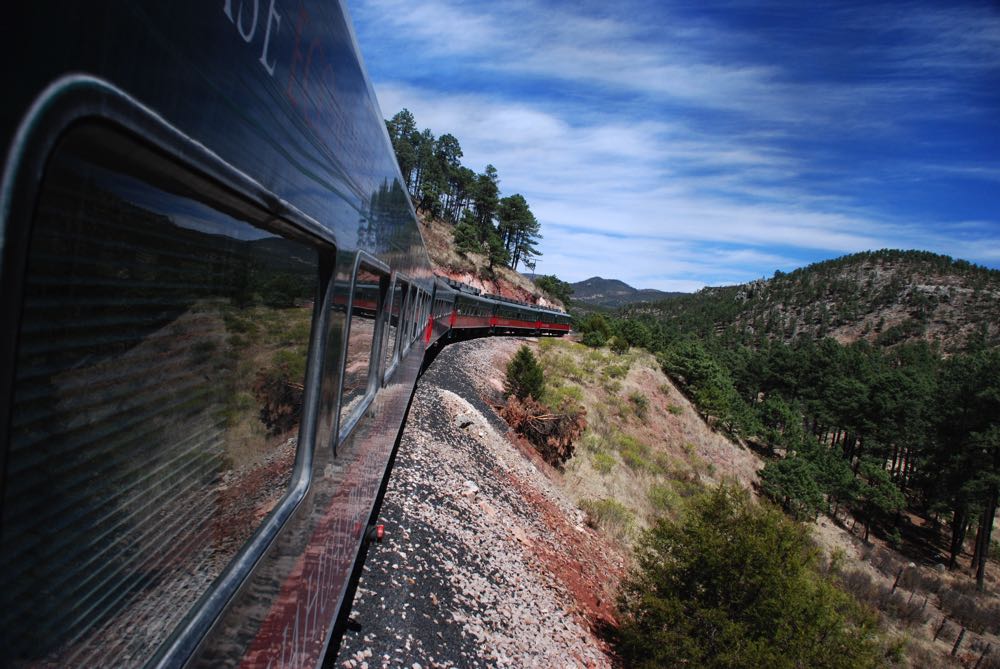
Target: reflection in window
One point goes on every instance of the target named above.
(411, 305)
(360, 342)
(159, 383)
(395, 309)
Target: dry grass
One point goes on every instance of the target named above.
(645, 447)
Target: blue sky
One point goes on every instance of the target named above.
(678, 145)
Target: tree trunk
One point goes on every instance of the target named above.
(958, 524)
(978, 544)
(987, 530)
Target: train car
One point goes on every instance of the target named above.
(215, 303)
(554, 323)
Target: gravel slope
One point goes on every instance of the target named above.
(485, 562)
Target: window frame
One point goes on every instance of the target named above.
(389, 366)
(346, 425)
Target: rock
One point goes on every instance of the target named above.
(939, 568)
(463, 421)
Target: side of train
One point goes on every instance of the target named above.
(215, 303)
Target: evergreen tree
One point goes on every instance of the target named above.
(555, 287)
(877, 496)
(524, 376)
(486, 197)
(736, 584)
(466, 235)
(402, 128)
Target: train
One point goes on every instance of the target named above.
(216, 303)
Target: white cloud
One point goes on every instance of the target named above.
(623, 138)
(640, 198)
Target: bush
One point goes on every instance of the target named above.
(634, 453)
(595, 323)
(640, 405)
(603, 462)
(735, 584)
(609, 515)
(635, 333)
(663, 497)
(279, 398)
(594, 339)
(524, 376)
(618, 345)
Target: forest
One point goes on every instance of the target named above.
(501, 228)
(883, 428)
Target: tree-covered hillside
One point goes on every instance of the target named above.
(885, 297)
(905, 416)
(501, 228)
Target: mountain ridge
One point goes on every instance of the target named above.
(613, 293)
(886, 297)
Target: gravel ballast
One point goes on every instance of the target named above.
(485, 562)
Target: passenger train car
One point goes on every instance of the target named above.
(215, 304)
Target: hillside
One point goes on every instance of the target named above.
(886, 297)
(613, 293)
(473, 268)
(645, 448)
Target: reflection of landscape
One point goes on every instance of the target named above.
(360, 343)
(159, 387)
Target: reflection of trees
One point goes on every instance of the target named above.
(383, 226)
(120, 454)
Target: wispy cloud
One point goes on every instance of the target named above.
(650, 133)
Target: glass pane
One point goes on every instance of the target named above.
(396, 306)
(159, 383)
(360, 341)
(411, 306)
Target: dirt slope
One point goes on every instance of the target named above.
(472, 268)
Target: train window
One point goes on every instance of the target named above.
(370, 284)
(158, 389)
(411, 306)
(393, 324)
(424, 314)
(419, 317)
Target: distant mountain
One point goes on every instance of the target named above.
(886, 297)
(613, 293)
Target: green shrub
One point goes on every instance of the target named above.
(640, 405)
(675, 409)
(616, 371)
(592, 442)
(564, 398)
(618, 345)
(612, 386)
(524, 376)
(595, 323)
(594, 339)
(634, 453)
(736, 584)
(663, 498)
(609, 515)
(603, 462)
(793, 483)
(292, 362)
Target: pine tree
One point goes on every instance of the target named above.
(524, 376)
(736, 584)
